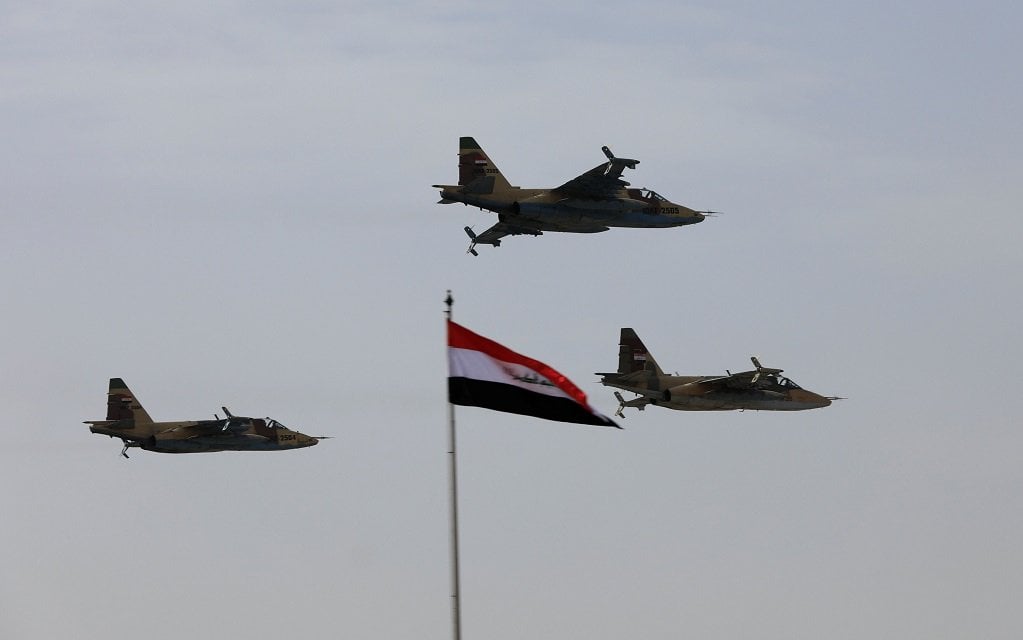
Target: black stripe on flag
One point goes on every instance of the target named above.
(511, 399)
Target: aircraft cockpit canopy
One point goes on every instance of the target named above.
(647, 195)
(267, 427)
(787, 383)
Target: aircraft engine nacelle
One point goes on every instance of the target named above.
(683, 390)
(564, 216)
(533, 210)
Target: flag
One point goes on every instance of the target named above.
(483, 373)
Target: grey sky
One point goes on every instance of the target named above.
(231, 206)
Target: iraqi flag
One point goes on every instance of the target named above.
(482, 373)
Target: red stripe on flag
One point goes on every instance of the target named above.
(461, 338)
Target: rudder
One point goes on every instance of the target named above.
(476, 172)
(123, 405)
(633, 355)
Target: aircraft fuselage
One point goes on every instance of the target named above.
(548, 211)
(206, 436)
(686, 393)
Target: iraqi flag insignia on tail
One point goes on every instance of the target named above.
(483, 373)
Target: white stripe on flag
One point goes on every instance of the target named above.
(468, 363)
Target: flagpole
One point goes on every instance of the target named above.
(456, 611)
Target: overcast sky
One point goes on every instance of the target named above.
(232, 206)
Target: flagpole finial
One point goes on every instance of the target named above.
(449, 301)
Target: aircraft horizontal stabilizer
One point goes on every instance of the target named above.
(639, 403)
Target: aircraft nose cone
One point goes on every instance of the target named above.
(820, 401)
(810, 400)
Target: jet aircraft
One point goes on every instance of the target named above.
(590, 203)
(762, 389)
(127, 420)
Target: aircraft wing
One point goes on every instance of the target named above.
(602, 182)
(494, 234)
(743, 380)
(229, 426)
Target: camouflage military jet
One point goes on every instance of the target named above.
(761, 389)
(593, 202)
(127, 420)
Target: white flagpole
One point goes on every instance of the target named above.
(456, 611)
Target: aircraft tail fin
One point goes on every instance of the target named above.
(476, 172)
(122, 405)
(633, 355)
